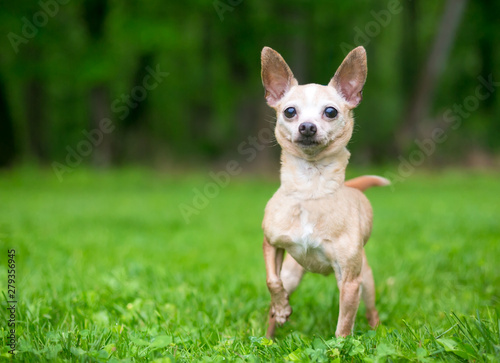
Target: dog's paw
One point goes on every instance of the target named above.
(373, 318)
(281, 312)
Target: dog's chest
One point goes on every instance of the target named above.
(299, 231)
(304, 235)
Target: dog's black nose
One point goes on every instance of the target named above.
(307, 129)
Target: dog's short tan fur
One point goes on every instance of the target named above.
(320, 220)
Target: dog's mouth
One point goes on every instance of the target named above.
(307, 142)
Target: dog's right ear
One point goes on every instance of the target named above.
(277, 77)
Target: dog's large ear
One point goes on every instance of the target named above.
(277, 77)
(351, 76)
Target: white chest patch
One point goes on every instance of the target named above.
(306, 238)
(306, 246)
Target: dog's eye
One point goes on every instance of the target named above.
(331, 112)
(290, 112)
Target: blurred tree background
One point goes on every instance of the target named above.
(65, 65)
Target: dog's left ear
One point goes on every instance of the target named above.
(351, 76)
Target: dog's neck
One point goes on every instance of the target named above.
(313, 179)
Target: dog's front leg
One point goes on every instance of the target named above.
(280, 308)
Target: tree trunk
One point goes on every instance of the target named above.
(8, 148)
(35, 101)
(94, 14)
(421, 102)
(410, 56)
(100, 109)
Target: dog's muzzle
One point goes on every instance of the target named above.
(307, 132)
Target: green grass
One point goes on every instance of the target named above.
(107, 269)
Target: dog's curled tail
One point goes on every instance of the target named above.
(367, 181)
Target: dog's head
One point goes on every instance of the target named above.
(313, 121)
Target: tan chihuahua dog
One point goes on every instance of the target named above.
(320, 220)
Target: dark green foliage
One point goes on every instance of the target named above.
(212, 97)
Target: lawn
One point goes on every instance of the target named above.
(107, 269)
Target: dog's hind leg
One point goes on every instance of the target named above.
(291, 274)
(368, 293)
